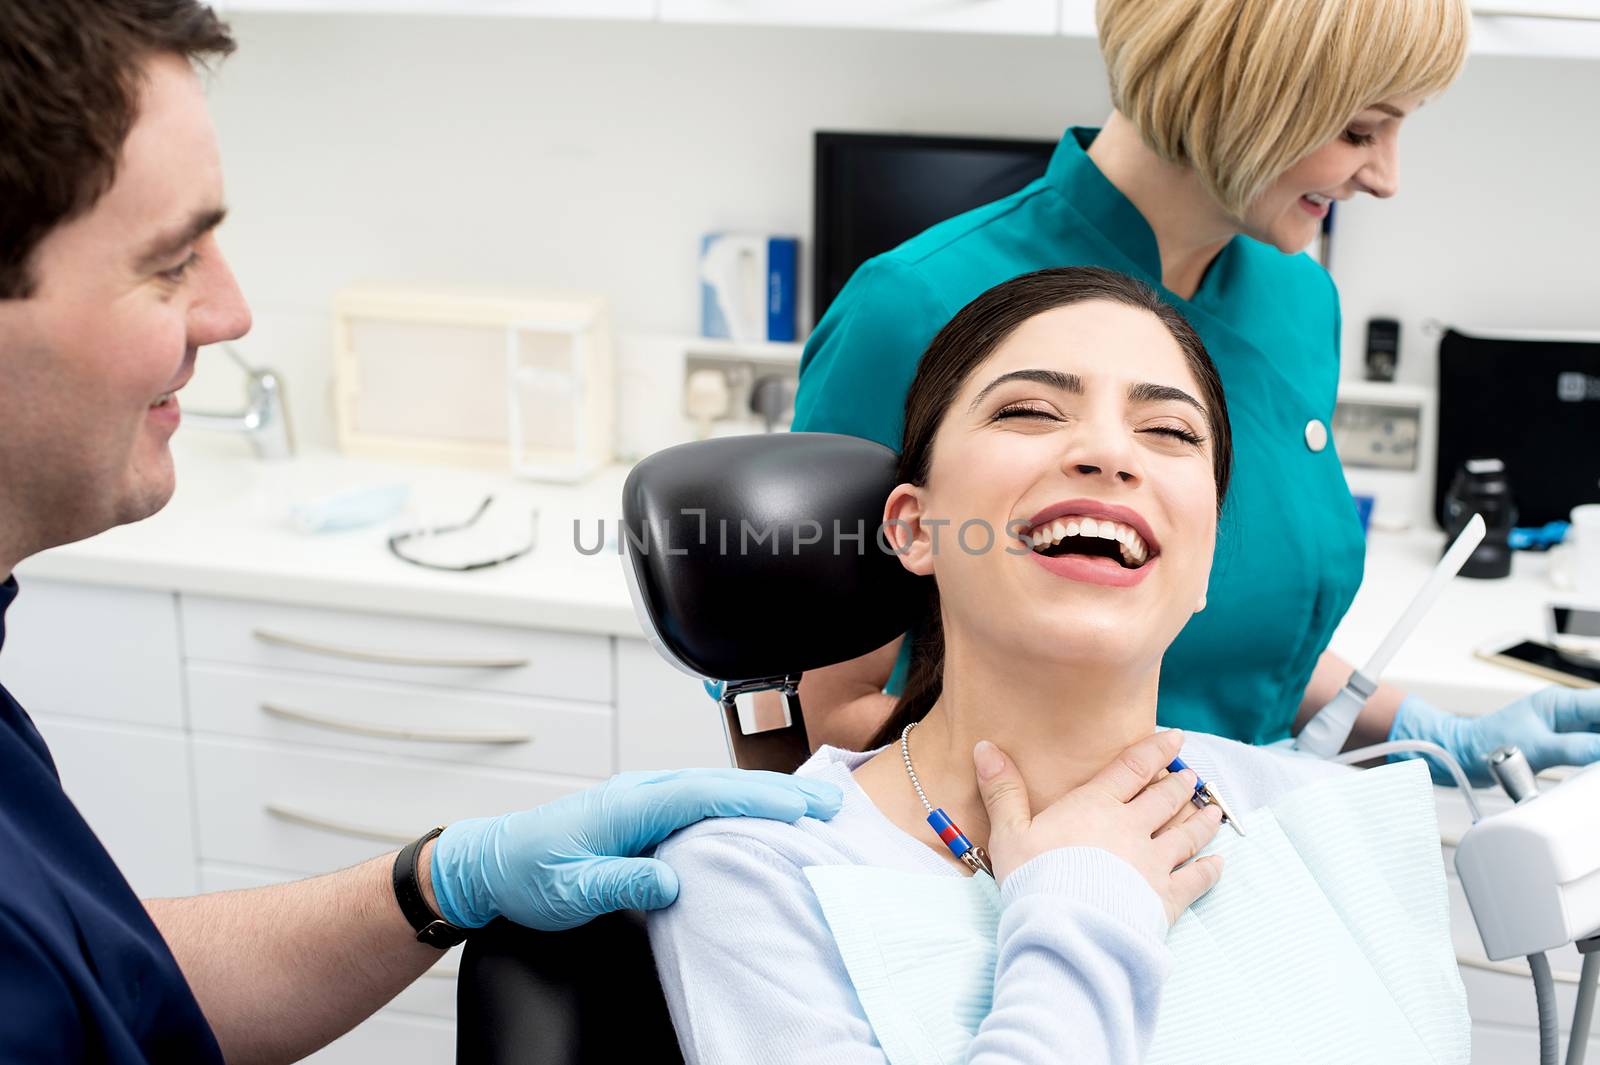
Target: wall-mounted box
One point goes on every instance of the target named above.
(478, 378)
(1384, 435)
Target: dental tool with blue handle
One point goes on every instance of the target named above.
(1205, 795)
(1325, 734)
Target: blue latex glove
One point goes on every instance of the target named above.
(561, 864)
(1555, 726)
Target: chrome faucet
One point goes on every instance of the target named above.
(264, 421)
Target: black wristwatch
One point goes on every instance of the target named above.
(431, 928)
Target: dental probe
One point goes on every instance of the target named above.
(1325, 733)
(1205, 795)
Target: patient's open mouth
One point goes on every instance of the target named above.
(1095, 537)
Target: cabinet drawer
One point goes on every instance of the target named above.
(313, 811)
(88, 651)
(495, 731)
(490, 658)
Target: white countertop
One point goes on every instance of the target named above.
(1437, 662)
(227, 533)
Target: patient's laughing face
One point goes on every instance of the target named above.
(1084, 442)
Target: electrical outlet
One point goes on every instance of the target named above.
(1377, 435)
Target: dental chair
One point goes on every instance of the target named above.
(743, 559)
(749, 560)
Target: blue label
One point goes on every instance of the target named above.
(783, 260)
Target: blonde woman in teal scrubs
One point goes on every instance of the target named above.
(1236, 124)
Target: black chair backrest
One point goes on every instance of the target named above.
(748, 558)
(588, 995)
(760, 556)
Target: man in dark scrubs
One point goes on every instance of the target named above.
(110, 279)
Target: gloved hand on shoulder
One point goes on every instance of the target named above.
(561, 864)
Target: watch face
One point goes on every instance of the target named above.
(441, 934)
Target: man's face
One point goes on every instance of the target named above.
(125, 295)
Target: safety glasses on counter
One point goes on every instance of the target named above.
(437, 542)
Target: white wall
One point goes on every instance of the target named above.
(591, 156)
(1496, 222)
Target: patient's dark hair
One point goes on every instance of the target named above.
(960, 348)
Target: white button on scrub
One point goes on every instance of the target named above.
(1316, 435)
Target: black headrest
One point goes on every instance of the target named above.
(759, 556)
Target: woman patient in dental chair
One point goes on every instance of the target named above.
(1079, 418)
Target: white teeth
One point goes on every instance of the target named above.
(1317, 198)
(1134, 549)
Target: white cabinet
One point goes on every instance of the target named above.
(665, 719)
(972, 16)
(394, 1038)
(1077, 19)
(132, 785)
(1536, 28)
(595, 9)
(99, 671)
(1500, 27)
(223, 743)
(91, 651)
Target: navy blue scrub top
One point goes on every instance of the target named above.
(84, 974)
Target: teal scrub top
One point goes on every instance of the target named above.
(1289, 545)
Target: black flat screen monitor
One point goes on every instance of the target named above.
(1534, 404)
(877, 190)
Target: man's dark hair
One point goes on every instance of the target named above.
(70, 81)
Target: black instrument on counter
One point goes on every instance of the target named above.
(1532, 403)
(1481, 487)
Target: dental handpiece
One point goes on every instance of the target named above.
(1205, 795)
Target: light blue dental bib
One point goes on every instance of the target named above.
(1327, 941)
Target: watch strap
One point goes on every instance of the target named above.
(430, 927)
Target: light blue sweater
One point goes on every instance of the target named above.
(751, 972)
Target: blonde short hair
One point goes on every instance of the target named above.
(1241, 90)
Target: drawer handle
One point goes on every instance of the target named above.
(392, 658)
(390, 732)
(335, 826)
